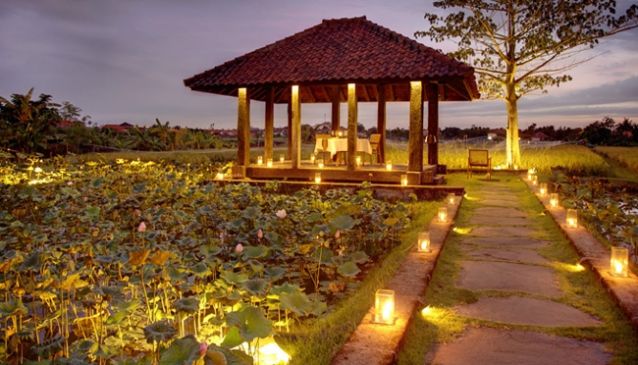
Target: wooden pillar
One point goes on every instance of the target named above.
(295, 108)
(243, 127)
(352, 126)
(432, 93)
(336, 108)
(381, 121)
(415, 145)
(268, 128)
(289, 132)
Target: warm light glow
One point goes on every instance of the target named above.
(462, 230)
(619, 261)
(357, 160)
(269, 162)
(339, 133)
(312, 159)
(271, 354)
(534, 180)
(317, 178)
(38, 170)
(442, 214)
(352, 88)
(281, 158)
(384, 306)
(451, 198)
(426, 311)
(553, 200)
(388, 166)
(260, 160)
(404, 180)
(572, 218)
(542, 190)
(219, 176)
(320, 165)
(423, 243)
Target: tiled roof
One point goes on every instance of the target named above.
(338, 51)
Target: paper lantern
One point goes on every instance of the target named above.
(281, 158)
(269, 162)
(442, 214)
(317, 178)
(357, 160)
(320, 164)
(542, 190)
(404, 180)
(219, 176)
(384, 306)
(572, 218)
(388, 166)
(619, 262)
(451, 198)
(553, 200)
(423, 242)
(312, 159)
(260, 160)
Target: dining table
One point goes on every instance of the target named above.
(340, 144)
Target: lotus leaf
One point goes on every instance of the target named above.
(348, 269)
(184, 351)
(138, 257)
(256, 286)
(251, 323)
(233, 278)
(161, 331)
(188, 305)
(253, 252)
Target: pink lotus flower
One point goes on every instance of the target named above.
(281, 214)
(260, 233)
(239, 248)
(337, 234)
(141, 227)
(203, 347)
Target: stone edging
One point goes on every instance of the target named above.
(596, 256)
(378, 344)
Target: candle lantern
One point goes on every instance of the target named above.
(384, 306)
(423, 243)
(404, 180)
(572, 218)
(357, 160)
(542, 190)
(442, 214)
(320, 164)
(339, 133)
(534, 180)
(281, 158)
(269, 162)
(312, 159)
(451, 198)
(530, 174)
(388, 166)
(619, 261)
(317, 178)
(260, 160)
(553, 200)
(219, 176)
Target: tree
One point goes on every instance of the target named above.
(72, 113)
(521, 46)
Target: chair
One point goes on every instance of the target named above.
(375, 141)
(479, 158)
(324, 147)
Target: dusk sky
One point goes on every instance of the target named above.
(126, 60)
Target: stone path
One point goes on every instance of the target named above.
(516, 286)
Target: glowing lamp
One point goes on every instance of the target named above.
(357, 160)
(404, 180)
(619, 263)
(534, 180)
(271, 354)
(530, 174)
(260, 160)
(318, 178)
(281, 158)
(219, 176)
(38, 170)
(269, 162)
(553, 200)
(320, 164)
(451, 198)
(542, 190)
(442, 214)
(384, 306)
(312, 159)
(388, 166)
(339, 133)
(423, 243)
(572, 218)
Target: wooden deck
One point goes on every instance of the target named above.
(374, 173)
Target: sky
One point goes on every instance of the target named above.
(125, 61)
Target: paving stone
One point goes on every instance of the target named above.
(527, 311)
(522, 242)
(499, 212)
(503, 231)
(486, 275)
(488, 346)
(515, 255)
(500, 203)
(499, 221)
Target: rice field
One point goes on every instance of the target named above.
(573, 158)
(627, 156)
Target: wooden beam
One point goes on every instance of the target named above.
(243, 127)
(295, 108)
(352, 126)
(289, 132)
(415, 144)
(432, 92)
(313, 99)
(391, 88)
(365, 95)
(381, 121)
(269, 124)
(336, 108)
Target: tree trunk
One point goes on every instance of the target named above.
(513, 151)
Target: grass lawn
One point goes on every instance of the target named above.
(581, 288)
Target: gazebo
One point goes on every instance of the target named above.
(341, 60)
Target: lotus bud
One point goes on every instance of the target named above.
(239, 248)
(260, 233)
(281, 214)
(203, 347)
(337, 234)
(141, 227)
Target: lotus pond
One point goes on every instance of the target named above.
(131, 262)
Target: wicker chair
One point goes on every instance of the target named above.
(323, 153)
(375, 141)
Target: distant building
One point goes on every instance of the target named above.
(118, 128)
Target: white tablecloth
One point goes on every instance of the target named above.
(340, 144)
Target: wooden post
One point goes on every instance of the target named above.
(289, 133)
(243, 127)
(415, 145)
(432, 93)
(336, 108)
(295, 108)
(268, 128)
(381, 121)
(352, 125)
